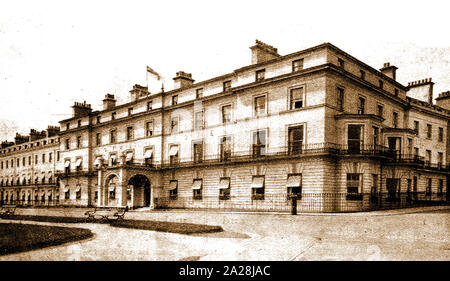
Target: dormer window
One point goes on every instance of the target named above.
(199, 93)
(297, 65)
(362, 74)
(130, 111)
(174, 99)
(226, 86)
(341, 63)
(79, 123)
(260, 75)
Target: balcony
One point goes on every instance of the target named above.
(77, 173)
(278, 153)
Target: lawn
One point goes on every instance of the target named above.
(162, 226)
(25, 237)
(47, 218)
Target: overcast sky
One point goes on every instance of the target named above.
(53, 53)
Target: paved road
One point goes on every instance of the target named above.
(410, 234)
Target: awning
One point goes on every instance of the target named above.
(224, 183)
(67, 163)
(65, 189)
(148, 153)
(129, 156)
(173, 185)
(77, 188)
(197, 184)
(294, 181)
(78, 163)
(112, 187)
(49, 192)
(173, 150)
(258, 182)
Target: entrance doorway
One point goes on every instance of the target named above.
(139, 187)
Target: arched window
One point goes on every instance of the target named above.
(111, 184)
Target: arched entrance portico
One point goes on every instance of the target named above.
(138, 191)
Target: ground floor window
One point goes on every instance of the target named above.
(408, 189)
(67, 194)
(128, 194)
(224, 188)
(393, 188)
(441, 188)
(354, 187)
(429, 184)
(112, 193)
(258, 188)
(197, 189)
(173, 190)
(294, 185)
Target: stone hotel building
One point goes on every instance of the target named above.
(317, 129)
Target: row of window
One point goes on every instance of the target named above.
(362, 75)
(27, 181)
(9, 164)
(293, 185)
(355, 143)
(393, 185)
(361, 108)
(9, 198)
(26, 146)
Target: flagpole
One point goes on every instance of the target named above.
(146, 76)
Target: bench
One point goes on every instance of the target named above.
(106, 213)
(7, 210)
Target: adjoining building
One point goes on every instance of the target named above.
(316, 126)
(27, 168)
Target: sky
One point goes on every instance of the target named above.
(53, 53)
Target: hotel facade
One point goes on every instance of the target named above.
(317, 128)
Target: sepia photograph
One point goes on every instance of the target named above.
(224, 131)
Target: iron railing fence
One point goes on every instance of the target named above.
(306, 202)
(282, 202)
(45, 203)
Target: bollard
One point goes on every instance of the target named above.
(294, 205)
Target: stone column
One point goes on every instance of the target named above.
(122, 195)
(100, 198)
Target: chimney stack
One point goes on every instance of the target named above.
(421, 90)
(20, 139)
(52, 131)
(109, 102)
(443, 100)
(139, 91)
(183, 80)
(389, 70)
(35, 135)
(262, 52)
(81, 109)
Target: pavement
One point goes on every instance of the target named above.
(402, 234)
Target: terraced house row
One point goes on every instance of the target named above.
(317, 128)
